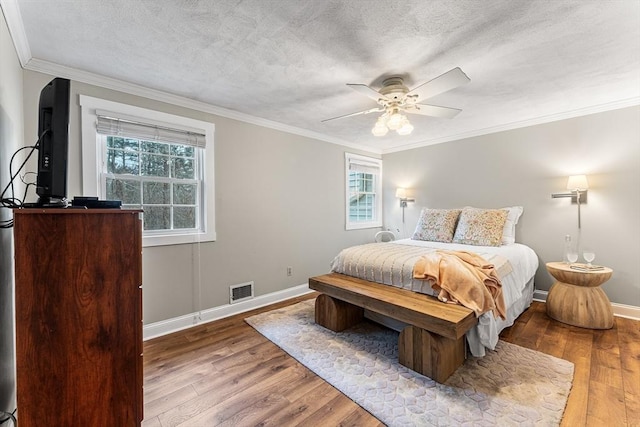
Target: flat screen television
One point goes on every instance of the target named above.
(53, 144)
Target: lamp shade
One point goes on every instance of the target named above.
(406, 128)
(577, 182)
(401, 193)
(395, 121)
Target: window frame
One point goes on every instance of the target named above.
(93, 153)
(377, 206)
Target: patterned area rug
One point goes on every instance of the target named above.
(511, 386)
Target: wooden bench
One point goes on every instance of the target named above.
(432, 343)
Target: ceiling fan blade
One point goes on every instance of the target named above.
(433, 111)
(373, 110)
(367, 91)
(447, 81)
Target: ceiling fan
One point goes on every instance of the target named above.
(394, 99)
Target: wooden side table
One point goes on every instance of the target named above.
(577, 299)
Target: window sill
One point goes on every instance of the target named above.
(363, 225)
(176, 239)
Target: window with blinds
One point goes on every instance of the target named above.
(363, 191)
(159, 162)
(155, 168)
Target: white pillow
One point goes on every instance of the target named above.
(509, 230)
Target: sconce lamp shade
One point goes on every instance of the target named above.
(401, 193)
(577, 182)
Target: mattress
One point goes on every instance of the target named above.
(392, 264)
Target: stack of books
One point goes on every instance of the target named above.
(585, 267)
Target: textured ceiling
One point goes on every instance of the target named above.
(288, 60)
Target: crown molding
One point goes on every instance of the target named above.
(615, 105)
(16, 30)
(51, 68)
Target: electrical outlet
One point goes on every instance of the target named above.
(289, 271)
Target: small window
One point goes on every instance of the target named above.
(153, 161)
(363, 191)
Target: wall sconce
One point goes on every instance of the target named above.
(578, 186)
(401, 194)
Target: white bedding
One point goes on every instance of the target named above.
(397, 270)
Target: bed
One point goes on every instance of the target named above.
(392, 264)
(489, 233)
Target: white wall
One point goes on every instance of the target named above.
(11, 139)
(279, 202)
(523, 167)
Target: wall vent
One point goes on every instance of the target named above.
(241, 292)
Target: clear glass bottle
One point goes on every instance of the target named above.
(567, 249)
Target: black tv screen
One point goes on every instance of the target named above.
(53, 145)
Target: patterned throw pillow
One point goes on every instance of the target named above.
(480, 227)
(436, 225)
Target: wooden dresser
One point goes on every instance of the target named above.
(78, 305)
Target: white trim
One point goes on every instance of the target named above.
(14, 22)
(18, 35)
(630, 102)
(540, 296)
(619, 310)
(91, 161)
(134, 89)
(164, 327)
(377, 222)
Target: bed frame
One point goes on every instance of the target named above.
(433, 340)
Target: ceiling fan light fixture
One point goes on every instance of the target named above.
(406, 128)
(380, 129)
(395, 120)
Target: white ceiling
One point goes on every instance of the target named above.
(287, 61)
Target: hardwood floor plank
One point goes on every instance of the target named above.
(554, 340)
(250, 406)
(360, 417)
(330, 414)
(606, 367)
(156, 388)
(606, 406)
(531, 334)
(238, 377)
(629, 339)
(575, 413)
(303, 406)
(151, 422)
(579, 343)
(153, 408)
(242, 378)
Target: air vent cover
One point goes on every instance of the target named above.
(240, 292)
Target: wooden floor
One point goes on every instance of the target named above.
(226, 373)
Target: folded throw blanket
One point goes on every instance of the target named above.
(463, 278)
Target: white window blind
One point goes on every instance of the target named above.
(117, 125)
(363, 166)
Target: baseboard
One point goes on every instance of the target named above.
(620, 310)
(164, 327)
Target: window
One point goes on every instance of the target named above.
(158, 162)
(363, 191)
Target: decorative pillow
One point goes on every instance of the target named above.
(480, 227)
(509, 230)
(436, 225)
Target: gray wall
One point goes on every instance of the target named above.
(279, 202)
(523, 167)
(10, 140)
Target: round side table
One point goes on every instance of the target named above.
(576, 297)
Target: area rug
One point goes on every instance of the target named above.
(511, 386)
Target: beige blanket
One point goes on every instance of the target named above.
(463, 278)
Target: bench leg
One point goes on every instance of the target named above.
(431, 355)
(335, 314)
